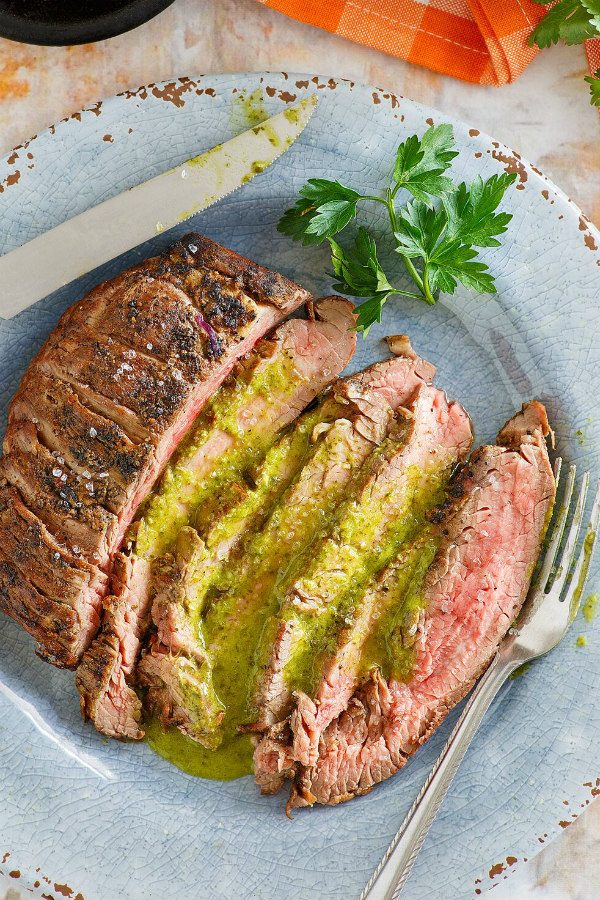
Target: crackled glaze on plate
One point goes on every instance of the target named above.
(114, 820)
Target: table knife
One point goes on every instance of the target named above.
(99, 234)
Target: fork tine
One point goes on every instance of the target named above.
(558, 528)
(584, 559)
(571, 540)
(557, 470)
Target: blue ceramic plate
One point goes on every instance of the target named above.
(112, 820)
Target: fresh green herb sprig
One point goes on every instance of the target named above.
(573, 22)
(436, 233)
(594, 83)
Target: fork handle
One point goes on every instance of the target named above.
(393, 870)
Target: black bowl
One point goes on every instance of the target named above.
(61, 22)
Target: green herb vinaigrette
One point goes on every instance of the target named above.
(232, 619)
(232, 760)
(248, 596)
(181, 494)
(251, 107)
(363, 543)
(182, 499)
(588, 547)
(239, 600)
(590, 607)
(247, 111)
(520, 670)
(399, 602)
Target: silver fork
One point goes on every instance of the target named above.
(549, 609)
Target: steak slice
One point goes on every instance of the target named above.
(172, 667)
(94, 448)
(354, 418)
(490, 539)
(269, 391)
(106, 401)
(197, 563)
(65, 501)
(402, 483)
(45, 581)
(361, 639)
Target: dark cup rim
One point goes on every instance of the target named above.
(29, 30)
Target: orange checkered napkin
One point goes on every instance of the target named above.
(592, 49)
(484, 41)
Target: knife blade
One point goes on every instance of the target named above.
(80, 244)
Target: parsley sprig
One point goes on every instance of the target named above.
(573, 22)
(436, 233)
(594, 83)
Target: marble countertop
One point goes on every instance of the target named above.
(546, 116)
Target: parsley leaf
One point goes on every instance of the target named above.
(571, 21)
(593, 8)
(419, 229)
(295, 221)
(369, 312)
(452, 262)
(360, 275)
(594, 83)
(444, 239)
(445, 261)
(420, 164)
(324, 209)
(471, 211)
(358, 271)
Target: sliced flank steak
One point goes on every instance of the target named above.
(400, 485)
(267, 392)
(362, 637)
(300, 484)
(174, 668)
(489, 540)
(45, 581)
(102, 407)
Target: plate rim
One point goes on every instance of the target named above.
(173, 89)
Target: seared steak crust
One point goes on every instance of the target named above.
(313, 352)
(104, 404)
(491, 536)
(44, 580)
(65, 426)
